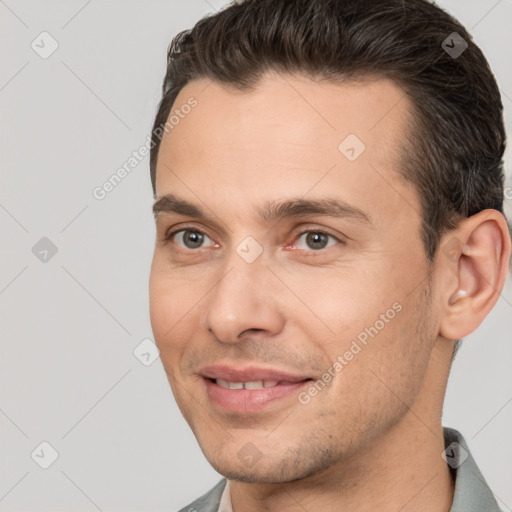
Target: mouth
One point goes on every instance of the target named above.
(250, 390)
(255, 384)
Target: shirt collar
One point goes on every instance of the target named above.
(225, 500)
(472, 494)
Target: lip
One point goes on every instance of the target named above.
(250, 401)
(249, 373)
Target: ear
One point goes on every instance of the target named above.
(473, 263)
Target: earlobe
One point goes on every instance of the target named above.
(474, 258)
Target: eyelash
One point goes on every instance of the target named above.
(168, 238)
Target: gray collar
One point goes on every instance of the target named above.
(472, 494)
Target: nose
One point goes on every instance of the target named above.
(243, 300)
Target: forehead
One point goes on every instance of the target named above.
(283, 137)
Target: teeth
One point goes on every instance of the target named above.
(258, 384)
(229, 385)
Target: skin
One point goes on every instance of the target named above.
(371, 439)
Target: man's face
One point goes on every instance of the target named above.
(306, 290)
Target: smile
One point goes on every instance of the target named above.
(255, 384)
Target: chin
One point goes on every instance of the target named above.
(277, 469)
(272, 475)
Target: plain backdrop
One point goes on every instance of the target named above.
(71, 319)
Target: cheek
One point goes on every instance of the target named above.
(160, 305)
(175, 300)
(167, 305)
(342, 304)
(371, 327)
(398, 357)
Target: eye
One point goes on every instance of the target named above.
(316, 240)
(188, 238)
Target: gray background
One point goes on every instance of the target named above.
(69, 325)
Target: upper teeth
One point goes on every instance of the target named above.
(256, 384)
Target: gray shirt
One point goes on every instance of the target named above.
(472, 494)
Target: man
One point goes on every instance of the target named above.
(328, 200)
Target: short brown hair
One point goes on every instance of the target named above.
(457, 138)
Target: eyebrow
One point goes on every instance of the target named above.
(272, 211)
